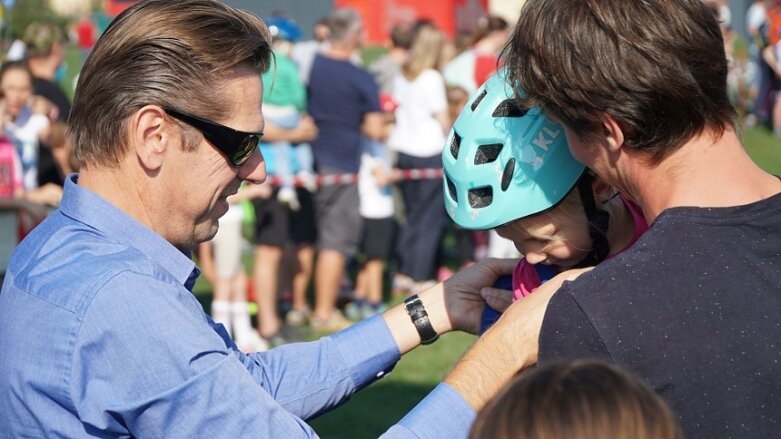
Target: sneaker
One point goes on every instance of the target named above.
(354, 311)
(287, 196)
(308, 181)
(370, 310)
(251, 342)
(297, 317)
(336, 322)
(402, 285)
(278, 339)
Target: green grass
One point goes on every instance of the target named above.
(376, 408)
(764, 148)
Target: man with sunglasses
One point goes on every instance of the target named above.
(101, 333)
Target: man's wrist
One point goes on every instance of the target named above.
(434, 301)
(419, 317)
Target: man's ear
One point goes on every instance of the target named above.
(149, 137)
(613, 133)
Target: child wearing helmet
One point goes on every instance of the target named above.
(284, 100)
(510, 169)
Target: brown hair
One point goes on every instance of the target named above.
(658, 67)
(586, 399)
(172, 53)
(486, 25)
(402, 35)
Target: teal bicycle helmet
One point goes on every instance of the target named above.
(503, 162)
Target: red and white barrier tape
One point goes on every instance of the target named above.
(348, 178)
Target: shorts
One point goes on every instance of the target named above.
(378, 238)
(227, 247)
(275, 224)
(338, 218)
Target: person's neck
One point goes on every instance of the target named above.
(120, 187)
(398, 54)
(621, 226)
(705, 172)
(42, 68)
(340, 51)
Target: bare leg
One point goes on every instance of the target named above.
(328, 278)
(266, 278)
(305, 257)
(373, 270)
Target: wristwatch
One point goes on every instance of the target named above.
(420, 319)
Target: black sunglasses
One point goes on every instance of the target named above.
(236, 145)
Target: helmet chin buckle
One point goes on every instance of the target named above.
(598, 222)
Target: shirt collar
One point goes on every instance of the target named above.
(91, 209)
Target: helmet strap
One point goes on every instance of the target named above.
(598, 221)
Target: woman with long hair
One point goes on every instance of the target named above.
(418, 139)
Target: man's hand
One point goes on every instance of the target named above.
(463, 299)
(500, 299)
(510, 345)
(305, 131)
(455, 304)
(49, 194)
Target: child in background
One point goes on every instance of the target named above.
(510, 169)
(221, 259)
(379, 228)
(11, 192)
(284, 100)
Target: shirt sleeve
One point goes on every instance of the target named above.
(442, 413)
(370, 92)
(149, 362)
(567, 332)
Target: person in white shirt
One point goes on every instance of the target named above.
(418, 139)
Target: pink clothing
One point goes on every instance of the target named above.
(526, 279)
(10, 169)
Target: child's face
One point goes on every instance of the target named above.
(17, 88)
(549, 239)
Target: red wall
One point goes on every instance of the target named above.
(379, 16)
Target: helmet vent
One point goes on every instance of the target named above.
(479, 99)
(481, 197)
(487, 153)
(508, 108)
(455, 145)
(451, 188)
(507, 175)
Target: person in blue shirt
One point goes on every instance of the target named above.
(101, 333)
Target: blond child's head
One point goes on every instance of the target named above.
(561, 235)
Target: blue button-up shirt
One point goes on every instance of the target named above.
(102, 336)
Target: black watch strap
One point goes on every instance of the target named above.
(420, 319)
